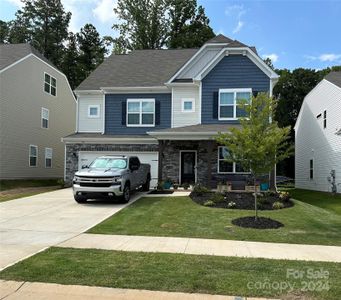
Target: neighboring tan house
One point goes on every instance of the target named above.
(318, 137)
(37, 108)
(166, 106)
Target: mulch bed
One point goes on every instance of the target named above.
(260, 223)
(156, 192)
(242, 200)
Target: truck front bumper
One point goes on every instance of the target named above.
(97, 192)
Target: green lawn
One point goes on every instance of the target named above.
(325, 200)
(171, 272)
(181, 217)
(26, 183)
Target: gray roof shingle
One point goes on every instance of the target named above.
(140, 68)
(334, 77)
(10, 53)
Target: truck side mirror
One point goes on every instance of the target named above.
(85, 167)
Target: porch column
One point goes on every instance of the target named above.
(209, 147)
(161, 148)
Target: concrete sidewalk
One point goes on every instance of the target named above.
(12, 290)
(206, 247)
(31, 224)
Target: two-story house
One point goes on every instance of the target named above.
(318, 137)
(37, 108)
(166, 106)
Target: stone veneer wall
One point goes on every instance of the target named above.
(171, 161)
(72, 152)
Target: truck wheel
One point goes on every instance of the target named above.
(146, 185)
(80, 199)
(126, 194)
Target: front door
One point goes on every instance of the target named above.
(187, 166)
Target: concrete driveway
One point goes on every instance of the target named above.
(32, 224)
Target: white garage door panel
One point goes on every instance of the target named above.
(85, 158)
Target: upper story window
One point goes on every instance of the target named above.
(325, 119)
(225, 166)
(141, 112)
(33, 155)
(44, 117)
(93, 111)
(48, 158)
(50, 84)
(188, 105)
(229, 99)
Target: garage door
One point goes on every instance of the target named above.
(85, 158)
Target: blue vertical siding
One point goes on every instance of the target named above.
(113, 113)
(233, 71)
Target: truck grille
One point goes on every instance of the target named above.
(96, 181)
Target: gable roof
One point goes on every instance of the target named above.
(11, 53)
(334, 77)
(220, 39)
(139, 68)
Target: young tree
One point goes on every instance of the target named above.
(91, 49)
(259, 144)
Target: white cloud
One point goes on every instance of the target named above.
(239, 26)
(15, 2)
(236, 12)
(325, 57)
(272, 56)
(104, 11)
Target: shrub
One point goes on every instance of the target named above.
(263, 200)
(61, 183)
(160, 185)
(277, 205)
(217, 198)
(185, 186)
(200, 189)
(231, 204)
(284, 196)
(209, 203)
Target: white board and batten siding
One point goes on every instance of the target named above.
(181, 118)
(87, 157)
(313, 141)
(86, 123)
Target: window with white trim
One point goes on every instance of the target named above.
(33, 155)
(225, 166)
(44, 118)
(50, 84)
(141, 112)
(93, 111)
(188, 105)
(48, 157)
(229, 101)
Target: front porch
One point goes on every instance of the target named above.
(191, 155)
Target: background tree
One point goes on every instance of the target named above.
(91, 50)
(4, 30)
(145, 24)
(259, 144)
(70, 65)
(44, 24)
(189, 25)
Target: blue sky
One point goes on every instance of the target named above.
(292, 33)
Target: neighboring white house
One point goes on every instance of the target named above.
(37, 108)
(318, 137)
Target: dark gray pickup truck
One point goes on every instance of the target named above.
(111, 176)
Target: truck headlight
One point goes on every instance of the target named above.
(76, 179)
(117, 179)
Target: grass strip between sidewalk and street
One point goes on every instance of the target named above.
(180, 272)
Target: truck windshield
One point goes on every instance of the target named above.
(108, 163)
